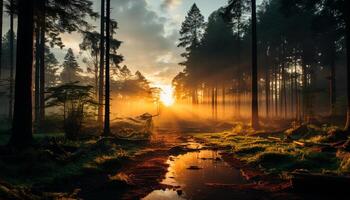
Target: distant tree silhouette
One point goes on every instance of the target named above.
(337, 10)
(234, 14)
(191, 32)
(91, 44)
(51, 68)
(22, 120)
(71, 68)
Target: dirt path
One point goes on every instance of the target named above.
(144, 172)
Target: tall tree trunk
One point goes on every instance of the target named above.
(223, 100)
(96, 77)
(102, 64)
(12, 39)
(37, 78)
(267, 87)
(42, 60)
(255, 106)
(276, 89)
(213, 102)
(296, 92)
(22, 119)
(216, 102)
(305, 92)
(106, 130)
(347, 24)
(1, 22)
(284, 89)
(332, 83)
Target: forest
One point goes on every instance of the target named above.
(248, 99)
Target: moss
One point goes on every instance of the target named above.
(250, 150)
(278, 157)
(274, 161)
(40, 166)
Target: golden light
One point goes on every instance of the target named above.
(167, 95)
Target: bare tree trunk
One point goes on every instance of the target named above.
(212, 102)
(37, 79)
(255, 105)
(216, 102)
(12, 38)
(1, 22)
(284, 80)
(42, 60)
(22, 119)
(332, 82)
(239, 97)
(305, 92)
(267, 86)
(347, 24)
(102, 64)
(106, 130)
(223, 100)
(276, 90)
(96, 77)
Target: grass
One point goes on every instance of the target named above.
(38, 167)
(276, 157)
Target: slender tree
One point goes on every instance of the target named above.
(42, 22)
(347, 36)
(102, 64)
(22, 120)
(106, 130)
(255, 108)
(12, 38)
(1, 22)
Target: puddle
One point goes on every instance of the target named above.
(192, 171)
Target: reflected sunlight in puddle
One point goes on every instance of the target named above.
(206, 167)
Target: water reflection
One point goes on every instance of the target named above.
(192, 171)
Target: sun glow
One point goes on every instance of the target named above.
(167, 95)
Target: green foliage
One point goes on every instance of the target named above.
(192, 28)
(77, 103)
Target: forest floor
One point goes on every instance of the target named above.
(114, 169)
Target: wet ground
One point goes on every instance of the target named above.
(192, 175)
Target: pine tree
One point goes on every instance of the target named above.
(71, 68)
(191, 32)
(192, 29)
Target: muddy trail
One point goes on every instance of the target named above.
(179, 167)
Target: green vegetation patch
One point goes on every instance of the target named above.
(275, 156)
(49, 164)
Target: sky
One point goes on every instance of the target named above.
(149, 32)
